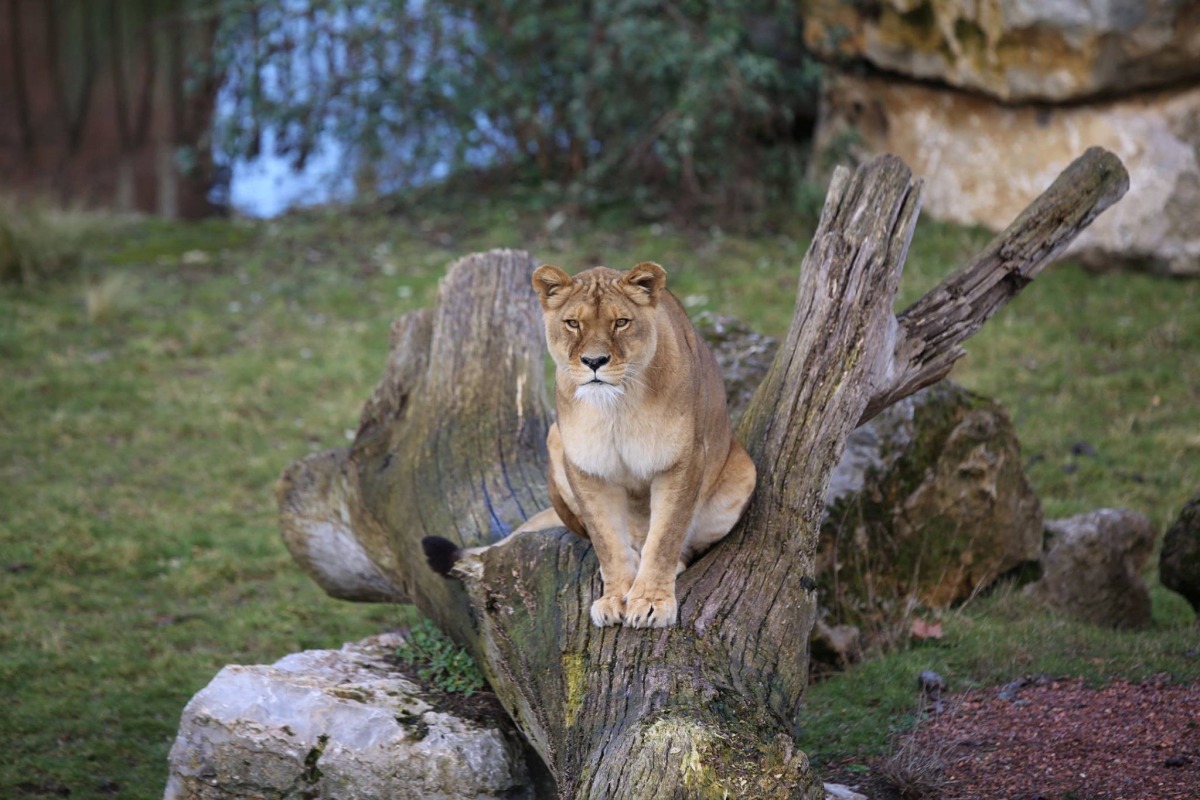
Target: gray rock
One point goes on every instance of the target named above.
(1017, 50)
(929, 502)
(836, 791)
(1092, 567)
(337, 724)
(931, 686)
(1179, 561)
(983, 161)
(743, 355)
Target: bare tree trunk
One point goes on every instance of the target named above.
(451, 444)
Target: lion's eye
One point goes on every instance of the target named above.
(573, 324)
(621, 323)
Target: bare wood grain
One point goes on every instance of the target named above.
(931, 331)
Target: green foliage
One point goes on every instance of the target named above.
(689, 103)
(439, 661)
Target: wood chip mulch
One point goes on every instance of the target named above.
(1046, 739)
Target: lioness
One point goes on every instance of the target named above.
(642, 459)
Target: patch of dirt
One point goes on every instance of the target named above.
(1048, 739)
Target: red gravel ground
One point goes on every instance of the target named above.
(1059, 740)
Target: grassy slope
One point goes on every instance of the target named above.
(138, 549)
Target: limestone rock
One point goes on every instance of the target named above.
(1092, 568)
(337, 724)
(983, 162)
(836, 791)
(1018, 50)
(930, 501)
(1179, 561)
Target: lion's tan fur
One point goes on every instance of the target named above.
(643, 459)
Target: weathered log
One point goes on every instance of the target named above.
(452, 444)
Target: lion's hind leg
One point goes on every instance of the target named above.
(723, 507)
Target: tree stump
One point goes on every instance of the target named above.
(452, 444)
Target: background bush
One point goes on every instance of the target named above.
(687, 105)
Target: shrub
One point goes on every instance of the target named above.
(690, 102)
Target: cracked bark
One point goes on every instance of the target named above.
(452, 444)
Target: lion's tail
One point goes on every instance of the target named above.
(442, 554)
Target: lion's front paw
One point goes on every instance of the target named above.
(608, 610)
(650, 609)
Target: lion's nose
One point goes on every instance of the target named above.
(594, 362)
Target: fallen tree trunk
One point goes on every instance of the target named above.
(452, 444)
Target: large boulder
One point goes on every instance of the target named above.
(337, 725)
(983, 161)
(1093, 565)
(1179, 560)
(930, 503)
(1019, 50)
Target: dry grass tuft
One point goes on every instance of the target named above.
(109, 297)
(915, 770)
(39, 241)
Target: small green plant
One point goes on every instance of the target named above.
(439, 661)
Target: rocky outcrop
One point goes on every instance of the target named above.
(1179, 560)
(982, 161)
(1018, 50)
(338, 725)
(930, 502)
(988, 100)
(1092, 568)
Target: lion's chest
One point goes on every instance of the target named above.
(622, 448)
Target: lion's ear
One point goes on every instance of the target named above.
(644, 282)
(551, 285)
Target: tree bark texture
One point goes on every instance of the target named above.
(452, 444)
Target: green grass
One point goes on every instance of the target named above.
(149, 401)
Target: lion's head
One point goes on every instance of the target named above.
(600, 327)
